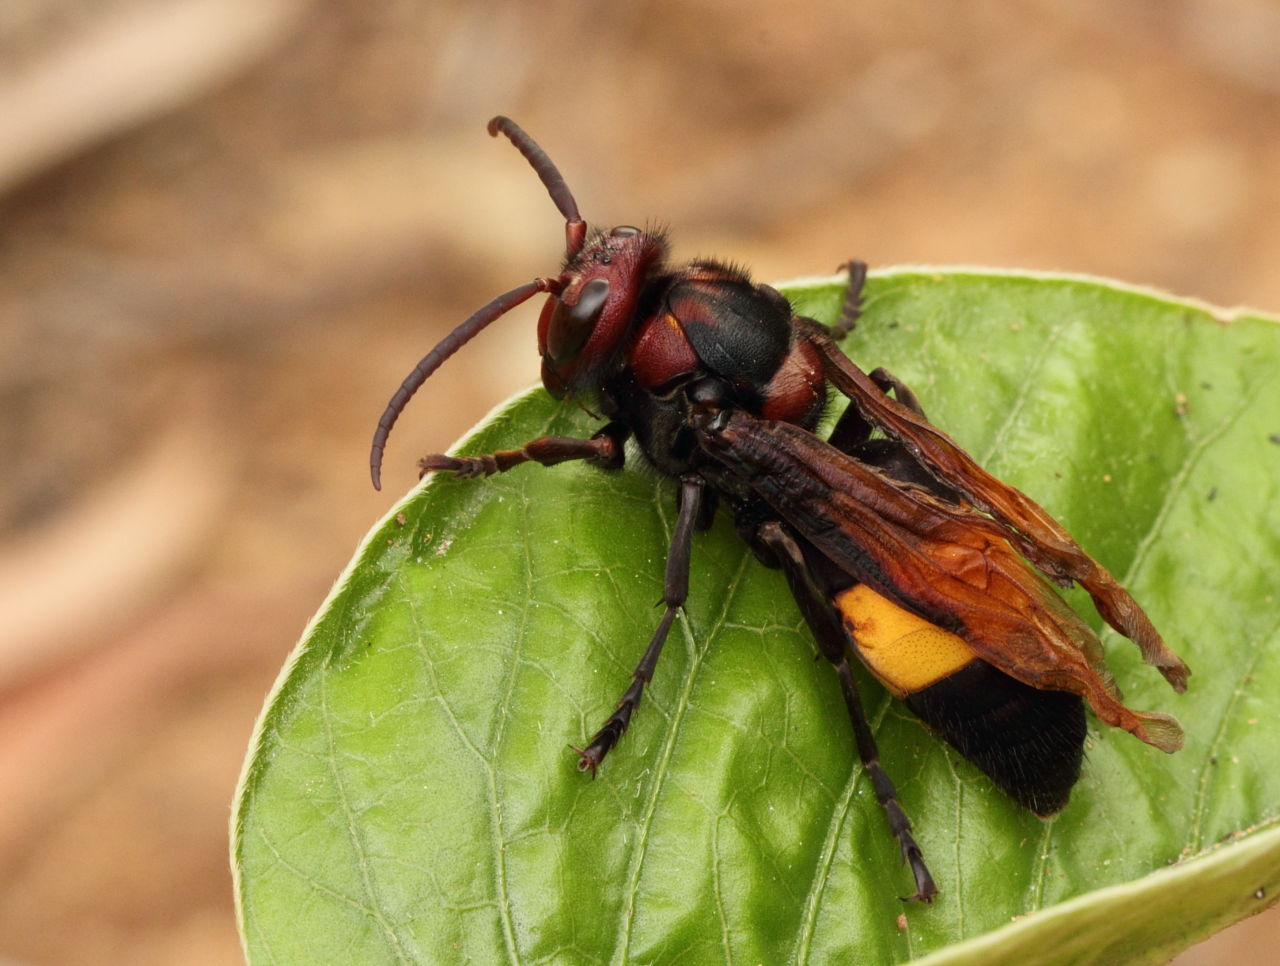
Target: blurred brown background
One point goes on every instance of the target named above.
(228, 228)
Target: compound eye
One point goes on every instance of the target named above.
(572, 325)
(624, 231)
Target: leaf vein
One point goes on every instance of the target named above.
(830, 844)
(1029, 379)
(1207, 769)
(1179, 480)
(502, 902)
(353, 833)
(718, 892)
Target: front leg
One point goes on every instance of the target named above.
(604, 449)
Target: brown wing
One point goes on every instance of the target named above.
(950, 564)
(1036, 534)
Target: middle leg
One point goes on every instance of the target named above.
(675, 590)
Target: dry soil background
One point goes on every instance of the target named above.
(229, 227)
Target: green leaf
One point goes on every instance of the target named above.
(410, 796)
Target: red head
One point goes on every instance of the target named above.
(586, 319)
(584, 325)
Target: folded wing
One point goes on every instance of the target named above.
(950, 564)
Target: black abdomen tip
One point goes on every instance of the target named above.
(1029, 742)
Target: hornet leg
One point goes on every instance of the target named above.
(604, 449)
(834, 644)
(852, 307)
(675, 589)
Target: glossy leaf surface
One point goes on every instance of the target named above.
(411, 797)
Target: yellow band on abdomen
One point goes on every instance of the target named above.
(904, 651)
